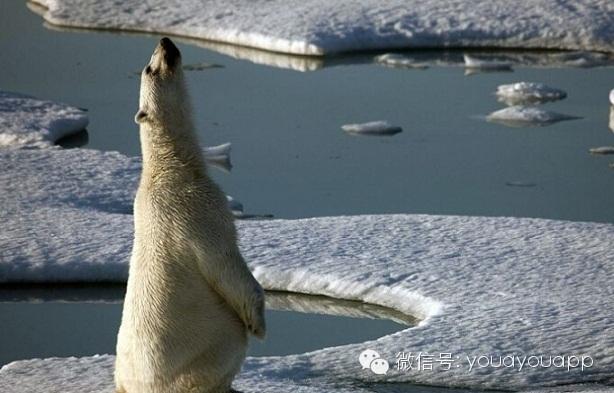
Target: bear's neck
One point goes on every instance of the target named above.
(175, 153)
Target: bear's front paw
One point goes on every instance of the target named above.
(256, 323)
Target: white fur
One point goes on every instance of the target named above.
(191, 300)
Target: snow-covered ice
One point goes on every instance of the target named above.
(527, 116)
(522, 93)
(550, 59)
(480, 285)
(27, 121)
(399, 61)
(602, 150)
(317, 27)
(379, 127)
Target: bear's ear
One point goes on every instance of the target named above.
(140, 116)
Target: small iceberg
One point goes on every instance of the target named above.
(474, 63)
(528, 93)
(399, 61)
(527, 116)
(379, 127)
(236, 208)
(612, 118)
(602, 150)
(612, 97)
(219, 156)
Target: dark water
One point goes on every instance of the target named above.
(48, 322)
(292, 160)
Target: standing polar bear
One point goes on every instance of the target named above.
(191, 301)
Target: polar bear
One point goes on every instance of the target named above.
(191, 301)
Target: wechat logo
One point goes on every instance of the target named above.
(369, 359)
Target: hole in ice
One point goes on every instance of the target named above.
(82, 320)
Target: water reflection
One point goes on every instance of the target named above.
(82, 320)
(275, 300)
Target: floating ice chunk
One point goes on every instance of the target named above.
(489, 65)
(612, 97)
(235, 206)
(219, 156)
(399, 61)
(528, 93)
(612, 118)
(527, 116)
(380, 127)
(27, 121)
(602, 150)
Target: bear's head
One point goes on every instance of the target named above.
(163, 96)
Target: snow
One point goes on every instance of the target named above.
(27, 121)
(522, 93)
(602, 150)
(317, 27)
(527, 116)
(379, 127)
(479, 285)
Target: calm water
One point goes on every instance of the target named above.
(84, 321)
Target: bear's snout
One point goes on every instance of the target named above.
(170, 52)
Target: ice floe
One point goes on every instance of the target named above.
(317, 27)
(28, 121)
(219, 156)
(527, 116)
(612, 97)
(602, 150)
(522, 93)
(379, 127)
(481, 286)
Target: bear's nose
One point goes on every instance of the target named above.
(170, 51)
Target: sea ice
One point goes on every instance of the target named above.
(28, 121)
(481, 286)
(602, 150)
(523, 93)
(317, 27)
(380, 127)
(527, 116)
